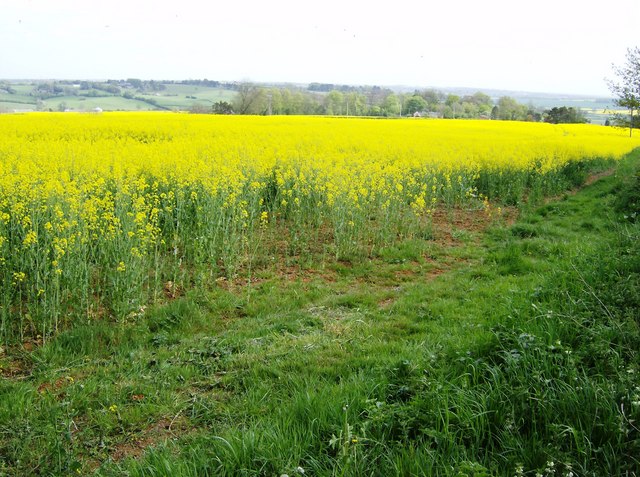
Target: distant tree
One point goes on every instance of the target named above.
(375, 97)
(134, 82)
(96, 87)
(470, 109)
(453, 108)
(508, 109)
(155, 86)
(7, 87)
(390, 105)
(249, 99)
(627, 88)
(479, 98)
(297, 102)
(334, 102)
(322, 87)
(563, 114)
(452, 99)
(222, 107)
(536, 116)
(433, 99)
(356, 104)
(446, 111)
(482, 101)
(276, 101)
(287, 101)
(414, 104)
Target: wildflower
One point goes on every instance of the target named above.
(264, 218)
(30, 238)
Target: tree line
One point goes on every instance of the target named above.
(335, 100)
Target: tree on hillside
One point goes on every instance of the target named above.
(452, 107)
(250, 99)
(433, 99)
(564, 115)
(627, 88)
(356, 104)
(509, 109)
(135, 83)
(481, 100)
(415, 104)
(222, 107)
(391, 105)
(334, 101)
(277, 103)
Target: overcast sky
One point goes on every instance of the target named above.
(560, 46)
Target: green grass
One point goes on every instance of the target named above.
(174, 97)
(206, 97)
(512, 351)
(107, 103)
(23, 88)
(17, 98)
(9, 106)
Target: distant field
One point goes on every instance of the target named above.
(17, 98)
(20, 100)
(597, 110)
(177, 97)
(23, 88)
(107, 103)
(600, 116)
(201, 92)
(579, 103)
(8, 106)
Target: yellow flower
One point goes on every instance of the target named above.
(30, 238)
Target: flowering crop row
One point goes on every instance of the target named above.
(98, 211)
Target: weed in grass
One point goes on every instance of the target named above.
(511, 261)
(524, 231)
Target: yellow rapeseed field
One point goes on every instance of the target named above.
(97, 211)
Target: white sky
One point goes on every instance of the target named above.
(561, 46)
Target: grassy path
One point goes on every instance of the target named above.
(511, 350)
